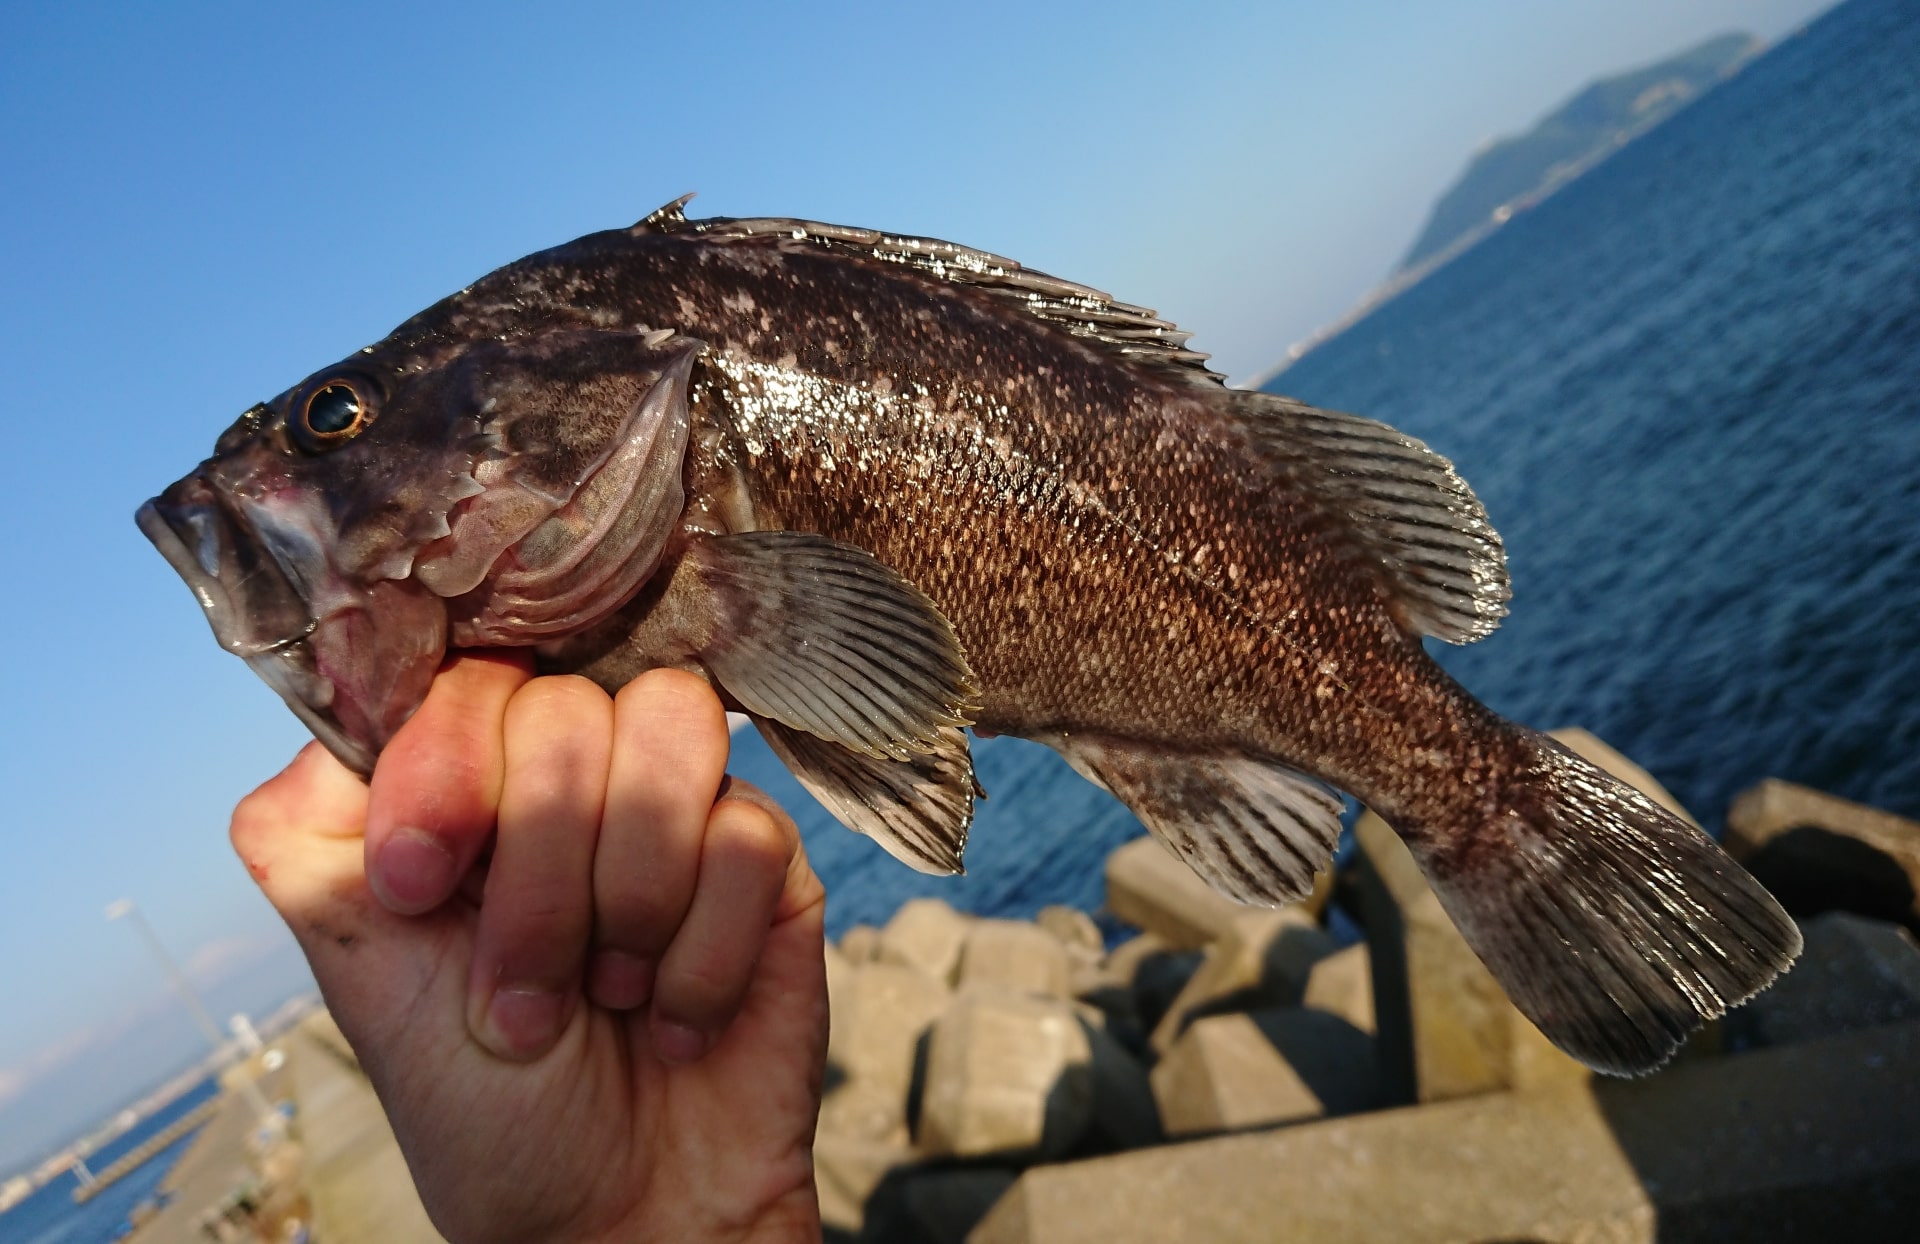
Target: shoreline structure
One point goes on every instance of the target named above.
(1239, 1074)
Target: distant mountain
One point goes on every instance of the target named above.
(1515, 173)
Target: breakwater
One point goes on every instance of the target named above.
(146, 1151)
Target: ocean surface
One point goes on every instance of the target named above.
(49, 1216)
(1688, 390)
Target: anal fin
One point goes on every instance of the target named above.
(1254, 830)
(919, 809)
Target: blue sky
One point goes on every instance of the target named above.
(200, 203)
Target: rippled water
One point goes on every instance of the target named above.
(1688, 389)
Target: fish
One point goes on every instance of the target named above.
(879, 489)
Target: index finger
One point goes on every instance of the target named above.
(435, 793)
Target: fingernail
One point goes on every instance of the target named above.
(525, 1022)
(678, 1044)
(413, 872)
(620, 981)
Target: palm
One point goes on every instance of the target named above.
(597, 1136)
(602, 1113)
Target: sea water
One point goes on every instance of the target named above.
(50, 1216)
(1687, 388)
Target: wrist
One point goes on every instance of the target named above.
(792, 1218)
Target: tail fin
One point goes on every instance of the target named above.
(1616, 927)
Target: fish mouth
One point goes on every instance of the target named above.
(254, 608)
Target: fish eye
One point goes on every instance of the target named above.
(332, 415)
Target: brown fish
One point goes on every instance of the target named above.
(877, 488)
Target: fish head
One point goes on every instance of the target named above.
(425, 494)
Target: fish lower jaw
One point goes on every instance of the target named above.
(310, 696)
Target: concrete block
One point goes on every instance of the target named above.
(1125, 1113)
(887, 1007)
(933, 1205)
(1854, 973)
(1159, 979)
(1342, 984)
(860, 944)
(1810, 1142)
(1261, 959)
(1149, 887)
(1015, 955)
(1106, 971)
(1076, 931)
(1231, 1072)
(840, 974)
(1125, 959)
(1537, 1167)
(1315, 904)
(865, 1110)
(846, 1171)
(925, 933)
(1006, 1073)
(1818, 852)
(1444, 1028)
(1118, 1018)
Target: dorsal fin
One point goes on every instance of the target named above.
(666, 217)
(1134, 333)
(1404, 505)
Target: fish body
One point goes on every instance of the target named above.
(879, 488)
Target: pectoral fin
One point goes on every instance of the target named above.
(918, 809)
(853, 676)
(1256, 831)
(822, 638)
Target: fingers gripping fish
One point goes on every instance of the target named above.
(880, 488)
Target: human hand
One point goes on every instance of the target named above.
(614, 1028)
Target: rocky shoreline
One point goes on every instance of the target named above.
(1233, 1073)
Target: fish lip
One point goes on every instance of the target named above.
(215, 601)
(284, 660)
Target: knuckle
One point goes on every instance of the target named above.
(541, 932)
(702, 989)
(668, 681)
(640, 917)
(249, 822)
(745, 828)
(676, 694)
(555, 698)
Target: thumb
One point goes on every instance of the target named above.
(301, 837)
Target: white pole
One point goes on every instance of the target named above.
(124, 908)
(208, 1029)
